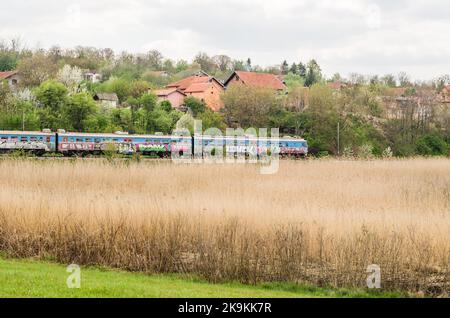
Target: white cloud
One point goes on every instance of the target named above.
(368, 36)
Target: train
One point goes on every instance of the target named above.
(81, 144)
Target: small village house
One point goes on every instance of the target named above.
(109, 100)
(173, 95)
(253, 79)
(202, 86)
(11, 77)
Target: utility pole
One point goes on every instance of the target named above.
(339, 140)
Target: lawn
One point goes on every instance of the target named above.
(30, 278)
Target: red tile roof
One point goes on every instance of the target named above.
(5, 75)
(253, 79)
(186, 82)
(167, 91)
(197, 88)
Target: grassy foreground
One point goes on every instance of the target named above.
(29, 278)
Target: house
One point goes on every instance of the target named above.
(173, 95)
(109, 100)
(445, 94)
(201, 86)
(253, 79)
(11, 77)
(92, 76)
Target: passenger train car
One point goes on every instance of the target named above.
(92, 143)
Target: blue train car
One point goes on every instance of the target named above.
(37, 142)
(123, 143)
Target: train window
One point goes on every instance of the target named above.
(48, 139)
(79, 140)
(65, 139)
(33, 139)
(97, 140)
(88, 139)
(24, 139)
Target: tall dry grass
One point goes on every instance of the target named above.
(317, 222)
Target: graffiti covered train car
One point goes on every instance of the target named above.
(162, 146)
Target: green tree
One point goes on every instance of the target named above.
(166, 105)
(160, 120)
(211, 119)
(148, 101)
(8, 62)
(313, 73)
(432, 145)
(195, 105)
(122, 87)
(249, 107)
(78, 108)
(51, 95)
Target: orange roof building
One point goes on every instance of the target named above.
(173, 95)
(253, 79)
(202, 86)
(12, 77)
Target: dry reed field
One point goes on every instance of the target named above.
(316, 222)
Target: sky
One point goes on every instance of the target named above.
(344, 36)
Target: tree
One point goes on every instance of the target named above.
(186, 121)
(432, 145)
(247, 106)
(211, 119)
(7, 62)
(404, 79)
(321, 120)
(36, 69)
(293, 80)
(166, 105)
(52, 95)
(195, 105)
(293, 69)
(313, 74)
(389, 80)
(206, 63)
(138, 88)
(155, 59)
(301, 70)
(284, 67)
(77, 110)
(223, 62)
(181, 65)
(120, 86)
(148, 101)
(160, 120)
(71, 77)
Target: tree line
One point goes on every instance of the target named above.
(372, 118)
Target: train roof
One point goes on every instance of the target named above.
(32, 133)
(113, 135)
(124, 135)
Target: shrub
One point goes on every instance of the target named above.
(431, 145)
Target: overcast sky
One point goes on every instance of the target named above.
(366, 36)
